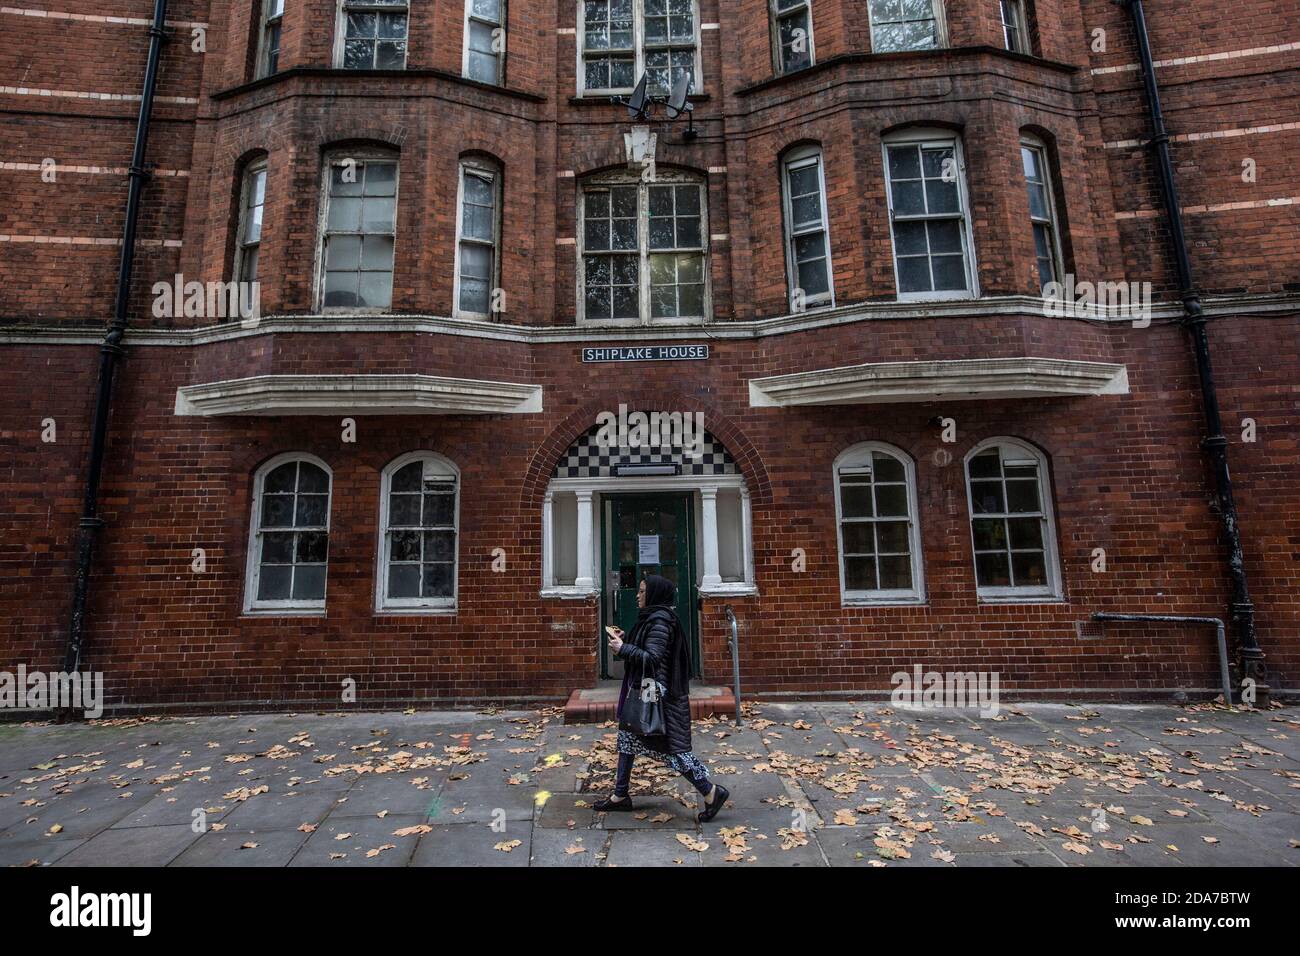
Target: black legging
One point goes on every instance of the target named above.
(698, 778)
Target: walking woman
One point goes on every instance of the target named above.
(656, 650)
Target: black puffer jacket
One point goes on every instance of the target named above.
(658, 648)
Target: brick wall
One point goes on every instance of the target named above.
(1127, 472)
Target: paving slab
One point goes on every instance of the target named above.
(124, 792)
(134, 846)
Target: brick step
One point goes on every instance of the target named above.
(593, 705)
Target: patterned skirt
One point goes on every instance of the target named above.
(685, 763)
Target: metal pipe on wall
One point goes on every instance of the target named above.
(1250, 657)
(111, 350)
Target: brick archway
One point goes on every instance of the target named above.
(721, 426)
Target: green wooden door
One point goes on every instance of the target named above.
(647, 534)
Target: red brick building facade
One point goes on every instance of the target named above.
(911, 458)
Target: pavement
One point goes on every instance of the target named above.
(812, 784)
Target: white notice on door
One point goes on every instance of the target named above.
(647, 548)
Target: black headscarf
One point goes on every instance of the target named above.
(660, 596)
(659, 592)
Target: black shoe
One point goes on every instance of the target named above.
(609, 803)
(711, 809)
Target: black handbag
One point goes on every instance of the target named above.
(643, 711)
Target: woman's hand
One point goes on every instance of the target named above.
(616, 640)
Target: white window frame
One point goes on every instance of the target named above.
(934, 137)
(480, 167)
(665, 178)
(242, 243)
(1053, 222)
(1051, 591)
(797, 159)
(336, 158)
(1020, 24)
(775, 17)
(272, 16)
(253, 556)
(638, 52)
(858, 457)
(940, 29)
(471, 17)
(366, 6)
(420, 605)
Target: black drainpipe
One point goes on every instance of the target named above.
(1250, 658)
(111, 350)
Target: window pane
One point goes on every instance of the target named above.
(986, 496)
(891, 500)
(887, 468)
(949, 273)
(1022, 496)
(814, 278)
(990, 534)
(404, 510)
(313, 547)
(992, 570)
(341, 290)
(277, 548)
(439, 510)
(438, 580)
(376, 290)
(1026, 533)
(858, 537)
(439, 545)
(987, 464)
(311, 511)
(404, 580)
(277, 511)
(860, 574)
(1028, 569)
(309, 582)
(891, 537)
(377, 253)
(273, 582)
(282, 478)
(855, 499)
(380, 179)
(895, 572)
(914, 275)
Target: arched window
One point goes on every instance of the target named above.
(643, 250)
(792, 34)
(876, 521)
(807, 233)
(419, 519)
(478, 247)
(929, 215)
(288, 547)
(358, 230)
(248, 234)
(1012, 532)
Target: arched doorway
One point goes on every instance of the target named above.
(669, 499)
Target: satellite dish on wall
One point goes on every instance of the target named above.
(636, 106)
(677, 104)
